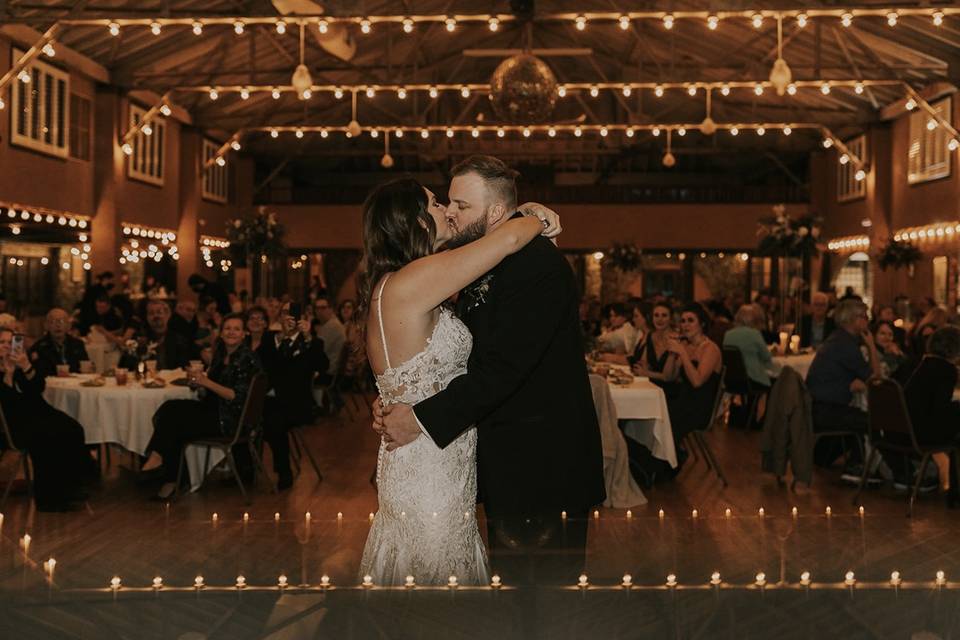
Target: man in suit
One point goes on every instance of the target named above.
(526, 389)
(291, 358)
(57, 346)
(816, 326)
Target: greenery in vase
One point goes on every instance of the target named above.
(898, 254)
(256, 234)
(625, 257)
(781, 235)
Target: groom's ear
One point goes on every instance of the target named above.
(495, 214)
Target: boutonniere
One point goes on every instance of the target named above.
(479, 290)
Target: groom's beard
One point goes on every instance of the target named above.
(473, 231)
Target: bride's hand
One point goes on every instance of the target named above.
(549, 217)
(400, 426)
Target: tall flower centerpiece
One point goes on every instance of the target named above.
(783, 236)
(257, 235)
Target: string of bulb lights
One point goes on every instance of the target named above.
(141, 242)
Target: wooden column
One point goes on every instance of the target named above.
(109, 162)
(188, 232)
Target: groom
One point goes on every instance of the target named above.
(526, 390)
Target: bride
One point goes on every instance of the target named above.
(425, 526)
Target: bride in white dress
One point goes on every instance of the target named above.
(425, 525)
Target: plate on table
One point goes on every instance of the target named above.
(154, 383)
(180, 382)
(94, 382)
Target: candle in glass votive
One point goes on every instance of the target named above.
(795, 343)
(784, 336)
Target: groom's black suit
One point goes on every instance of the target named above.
(527, 391)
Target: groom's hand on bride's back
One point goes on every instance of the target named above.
(400, 426)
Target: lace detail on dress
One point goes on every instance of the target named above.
(426, 523)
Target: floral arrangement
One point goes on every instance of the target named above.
(898, 254)
(786, 236)
(625, 257)
(256, 234)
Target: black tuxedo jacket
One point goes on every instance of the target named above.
(290, 368)
(526, 390)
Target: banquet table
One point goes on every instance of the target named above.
(645, 405)
(103, 355)
(800, 362)
(123, 414)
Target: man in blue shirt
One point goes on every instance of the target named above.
(839, 370)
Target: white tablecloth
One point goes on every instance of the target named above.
(645, 405)
(103, 355)
(799, 363)
(123, 415)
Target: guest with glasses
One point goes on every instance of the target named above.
(838, 371)
(57, 346)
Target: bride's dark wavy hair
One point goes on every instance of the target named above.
(397, 229)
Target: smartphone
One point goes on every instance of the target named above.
(296, 310)
(16, 344)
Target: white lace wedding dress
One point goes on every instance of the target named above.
(426, 524)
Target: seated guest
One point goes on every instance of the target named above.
(816, 326)
(208, 319)
(720, 323)
(184, 319)
(921, 332)
(652, 358)
(699, 363)
(57, 346)
(929, 395)
(258, 337)
(54, 440)
(887, 313)
(328, 328)
(746, 337)
(274, 307)
(291, 357)
(106, 320)
(223, 392)
(203, 288)
(840, 370)
(621, 336)
(157, 342)
(638, 318)
(892, 358)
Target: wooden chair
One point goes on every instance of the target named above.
(891, 430)
(247, 427)
(23, 461)
(697, 438)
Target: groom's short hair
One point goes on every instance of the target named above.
(501, 180)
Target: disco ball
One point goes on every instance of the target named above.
(523, 89)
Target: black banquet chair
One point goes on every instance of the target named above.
(891, 431)
(248, 429)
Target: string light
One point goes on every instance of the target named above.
(402, 93)
(846, 19)
(281, 27)
(787, 131)
(725, 90)
(238, 27)
(370, 92)
(758, 89)
(658, 91)
(692, 90)
(165, 110)
(365, 26)
(594, 91)
(338, 93)
(494, 24)
(734, 131)
(581, 22)
(892, 18)
(49, 51)
(464, 91)
(407, 25)
(624, 22)
(757, 20)
(713, 22)
(761, 131)
(668, 21)
(627, 90)
(214, 94)
(244, 94)
(155, 28)
(801, 20)
(451, 24)
(114, 29)
(197, 29)
(937, 18)
(323, 26)
(825, 88)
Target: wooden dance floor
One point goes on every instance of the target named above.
(124, 534)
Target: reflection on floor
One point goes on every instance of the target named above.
(122, 534)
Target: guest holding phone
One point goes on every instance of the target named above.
(53, 440)
(57, 346)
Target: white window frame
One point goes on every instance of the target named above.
(848, 187)
(147, 161)
(928, 157)
(40, 72)
(216, 185)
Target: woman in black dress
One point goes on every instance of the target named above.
(652, 357)
(53, 440)
(223, 391)
(699, 363)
